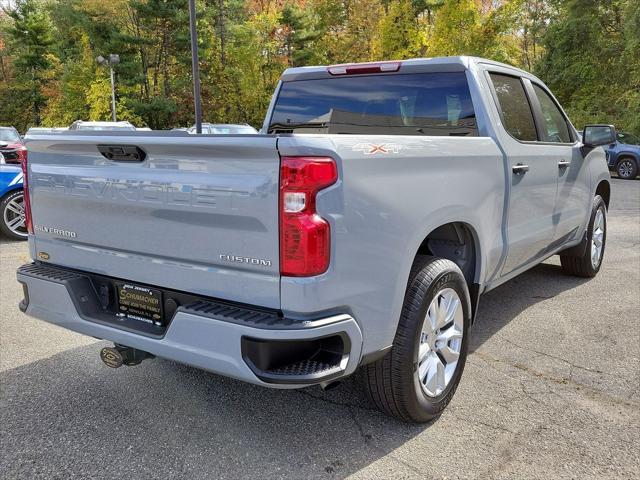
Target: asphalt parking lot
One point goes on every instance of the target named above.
(551, 390)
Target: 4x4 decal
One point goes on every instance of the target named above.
(373, 148)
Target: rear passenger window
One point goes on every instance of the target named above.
(555, 128)
(514, 105)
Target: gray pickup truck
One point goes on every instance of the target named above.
(357, 229)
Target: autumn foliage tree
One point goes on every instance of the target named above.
(586, 51)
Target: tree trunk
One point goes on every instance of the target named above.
(165, 60)
(222, 31)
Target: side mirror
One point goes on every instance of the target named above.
(4, 144)
(597, 135)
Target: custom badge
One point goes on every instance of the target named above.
(374, 149)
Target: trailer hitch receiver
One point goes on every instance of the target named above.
(119, 355)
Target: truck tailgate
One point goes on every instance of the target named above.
(198, 214)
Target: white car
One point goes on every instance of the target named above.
(82, 125)
(225, 129)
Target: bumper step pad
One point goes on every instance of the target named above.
(306, 367)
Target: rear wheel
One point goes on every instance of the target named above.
(627, 168)
(13, 216)
(416, 380)
(588, 265)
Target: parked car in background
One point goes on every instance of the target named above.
(82, 125)
(225, 129)
(12, 148)
(12, 222)
(623, 156)
(38, 130)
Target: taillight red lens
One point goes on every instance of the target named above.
(305, 237)
(22, 154)
(25, 189)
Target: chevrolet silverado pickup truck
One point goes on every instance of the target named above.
(356, 231)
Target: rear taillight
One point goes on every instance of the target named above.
(22, 154)
(25, 189)
(305, 237)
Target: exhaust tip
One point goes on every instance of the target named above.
(326, 386)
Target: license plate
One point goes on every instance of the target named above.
(140, 303)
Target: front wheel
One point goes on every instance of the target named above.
(416, 380)
(588, 265)
(627, 168)
(13, 216)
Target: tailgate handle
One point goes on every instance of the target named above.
(122, 153)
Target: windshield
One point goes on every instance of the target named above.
(628, 138)
(398, 104)
(9, 135)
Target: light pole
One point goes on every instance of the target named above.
(194, 65)
(113, 59)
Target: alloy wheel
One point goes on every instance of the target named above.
(14, 216)
(597, 238)
(625, 169)
(440, 342)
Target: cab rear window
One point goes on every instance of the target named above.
(431, 104)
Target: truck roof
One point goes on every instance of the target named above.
(457, 63)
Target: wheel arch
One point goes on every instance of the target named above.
(604, 190)
(627, 154)
(459, 242)
(9, 190)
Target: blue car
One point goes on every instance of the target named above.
(623, 156)
(12, 223)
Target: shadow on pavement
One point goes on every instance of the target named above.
(78, 418)
(501, 305)
(69, 416)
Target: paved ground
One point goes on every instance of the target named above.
(551, 390)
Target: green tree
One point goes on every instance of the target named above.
(301, 32)
(69, 99)
(461, 27)
(586, 50)
(629, 102)
(258, 61)
(30, 40)
(351, 30)
(585, 64)
(399, 32)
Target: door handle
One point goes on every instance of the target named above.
(564, 164)
(520, 169)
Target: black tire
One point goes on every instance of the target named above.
(627, 168)
(584, 266)
(392, 383)
(5, 213)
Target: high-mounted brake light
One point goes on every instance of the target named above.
(363, 68)
(305, 237)
(25, 189)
